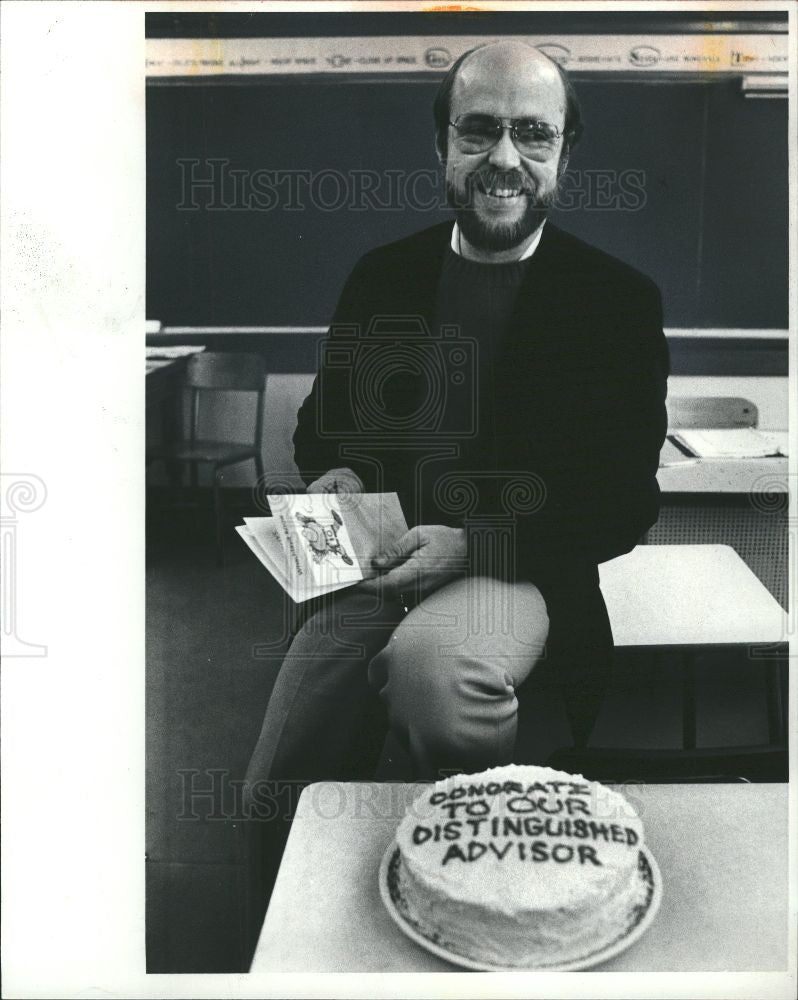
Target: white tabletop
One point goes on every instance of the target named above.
(688, 595)
(720, 475)
(721, 849)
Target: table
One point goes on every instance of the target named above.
(164, 385)
(688, 595)
(163, 382)
(720, 475)
(738, 502)
(165, 367)
(722, 851)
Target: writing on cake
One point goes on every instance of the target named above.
(467, 810)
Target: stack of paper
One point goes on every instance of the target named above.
(315, 543)
(737, 442)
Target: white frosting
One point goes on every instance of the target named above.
(520, 865)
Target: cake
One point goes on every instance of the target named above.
(520, 866)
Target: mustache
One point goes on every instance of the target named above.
(492, 180)
(460, 196)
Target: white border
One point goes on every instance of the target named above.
(72, 258)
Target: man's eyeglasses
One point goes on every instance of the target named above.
(479, 133)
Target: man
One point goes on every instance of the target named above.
(538, 463)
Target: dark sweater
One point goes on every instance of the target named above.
(478, 299)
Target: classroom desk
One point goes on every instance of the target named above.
(164, 372)
(688, 595)
(165, 368)
(163, 382)
(737, 502)
(745, 477)
(721, 849)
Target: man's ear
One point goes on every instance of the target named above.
(440, 150)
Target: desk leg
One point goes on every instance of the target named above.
(776, 721)
(170, 426)
(218, 475)
(689, 725)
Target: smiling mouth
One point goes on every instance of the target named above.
(501, 189)
(503, 198)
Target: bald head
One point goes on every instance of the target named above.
(512, 66)
(512, 75)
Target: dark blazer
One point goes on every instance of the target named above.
(580, 390)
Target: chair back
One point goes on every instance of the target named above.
(222, 370)
(226, 371)
(711, 411)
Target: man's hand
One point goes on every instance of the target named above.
(337, 481)
(421, 561)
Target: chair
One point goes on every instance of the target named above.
(711, 411)
(215, 372)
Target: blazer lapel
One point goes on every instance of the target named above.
(418, 276)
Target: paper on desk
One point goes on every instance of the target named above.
(736, 442)
(672, 456)
(320, 542)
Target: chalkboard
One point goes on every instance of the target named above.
(687, 181)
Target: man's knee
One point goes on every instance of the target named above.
(417, 668)
(449, 672)
(447, 707)
(448, 690)
(512, 617)
(342, 629)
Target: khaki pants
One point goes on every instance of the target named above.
(443, 677)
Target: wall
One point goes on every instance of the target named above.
(285, 392)
(685, 180)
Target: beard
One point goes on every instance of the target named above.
(496, 234)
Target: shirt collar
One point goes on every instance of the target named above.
(455, 242)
